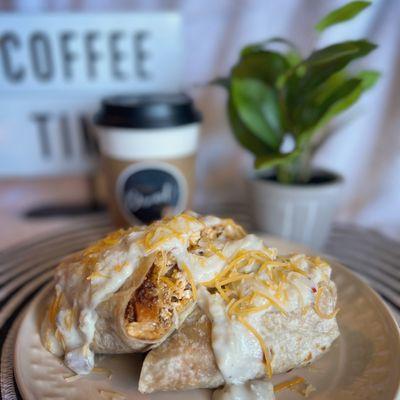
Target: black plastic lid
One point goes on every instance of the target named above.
(147, 111)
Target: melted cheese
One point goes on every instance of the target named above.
(288, 384)
(267, 356)
(86, 280)
(246, 278)
(285, 283)
(111, 395)
(320, 310)
(255, 281)
(190, 279)
(237, 351)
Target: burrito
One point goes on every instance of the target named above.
(131, 290)
(263, 314)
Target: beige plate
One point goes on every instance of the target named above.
(362, 364)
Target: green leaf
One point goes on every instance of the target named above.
(342, 14)
(258, 107)
(265, 66)
(325, 89)
(339, 100)
(346, 51)
(368, 78)
(320, 66)
(274, 159)
(243, 135)
(255, 47)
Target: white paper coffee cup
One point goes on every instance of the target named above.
(148, 146)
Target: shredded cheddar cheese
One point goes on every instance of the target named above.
(318, 262)
(268, 278)
(102, 371)
(229, 305)
(97, 274)
(91, 256)
(72, 378)
(254, 281)
(235, 306)
(160, 232)
(251, 310)
(153, 246)
(222, 293)
(317, 307)
(190, 279)
(215, 250)
(288, 384)
(170, 250)
(274, 302)
(190, 218)
(53, 309)
(167, 281)
(120, 267)
(60, 338)
(111, 395)
(238, 277)
(231, 222)
(68, 318)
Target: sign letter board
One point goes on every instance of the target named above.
(54, 68)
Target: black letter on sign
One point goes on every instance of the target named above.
(41, 119)
(66, 133)
(116, 55)
(92, 55)
(40, 50)
(8, 41)
(140, 54)
(67, 55)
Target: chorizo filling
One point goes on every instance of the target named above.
(166, 290)
(155, 305)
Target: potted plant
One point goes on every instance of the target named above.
(278, 104)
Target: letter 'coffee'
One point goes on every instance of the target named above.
(148, 145)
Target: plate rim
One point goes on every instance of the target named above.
(28, 310)
(335, 263)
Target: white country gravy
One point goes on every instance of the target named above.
(84, 281)
(237, 282)
(251, 390)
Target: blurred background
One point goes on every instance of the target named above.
(204, 44)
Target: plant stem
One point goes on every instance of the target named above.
(284, 173)
(304, 165)
(297, 171)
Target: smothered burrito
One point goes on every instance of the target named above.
(261, 314)
(212, 304)
(131, 290)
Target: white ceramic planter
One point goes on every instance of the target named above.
(301, 213)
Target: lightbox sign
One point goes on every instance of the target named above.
(54, 68)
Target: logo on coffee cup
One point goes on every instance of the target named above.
(149, 191)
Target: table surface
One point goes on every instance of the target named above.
(20, 195)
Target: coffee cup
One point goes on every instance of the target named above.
(148, 147)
